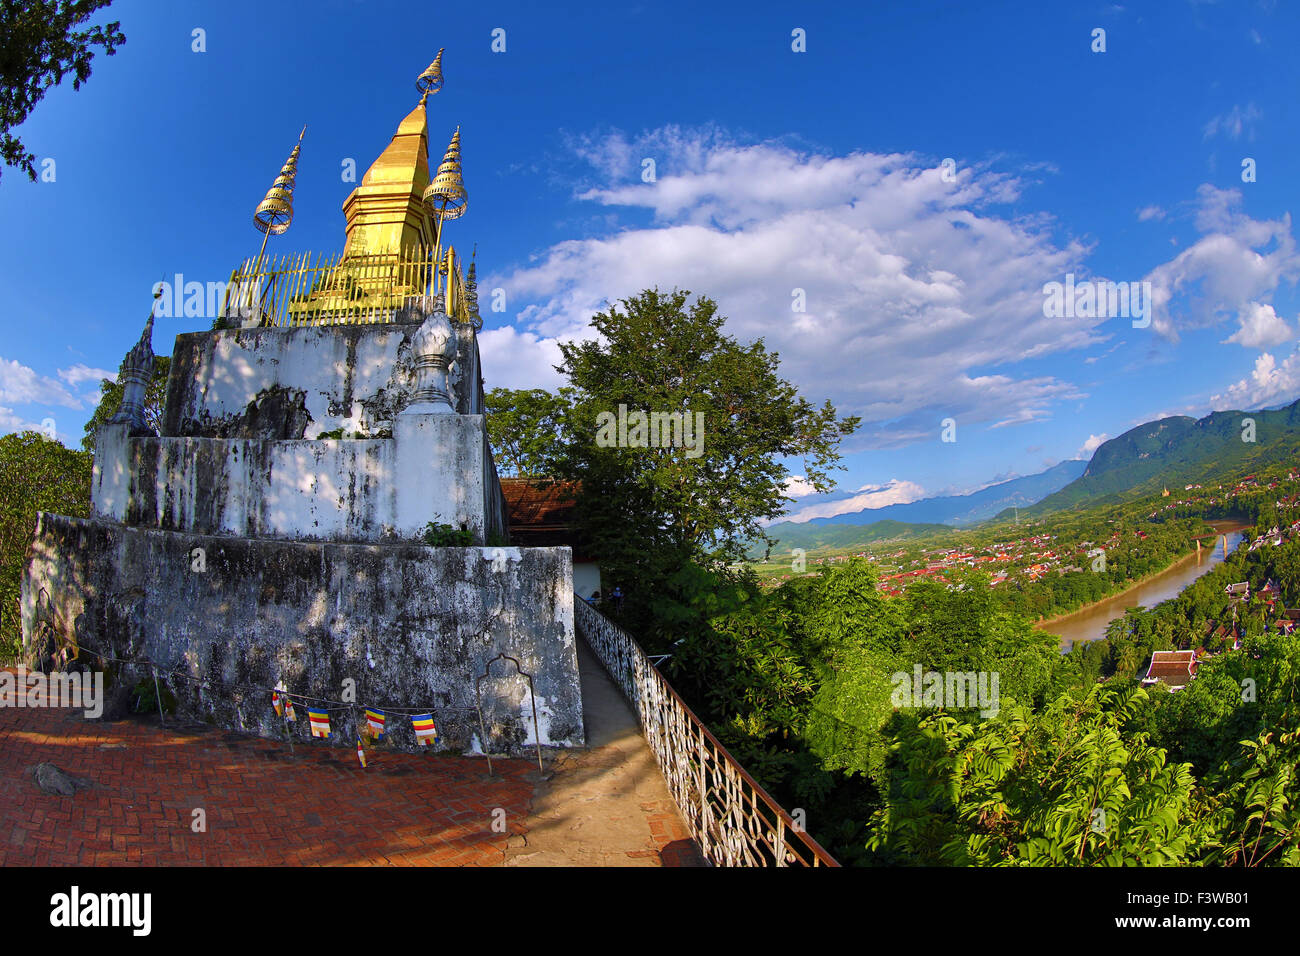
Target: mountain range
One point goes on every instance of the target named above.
(1171, 452)
(1177, 451)
(926, 516)
(971, 508)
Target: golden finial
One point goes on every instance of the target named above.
(430, 81)
(446, 194)
(275, 212)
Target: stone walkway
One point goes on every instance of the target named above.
(265, 804)
(607, 805)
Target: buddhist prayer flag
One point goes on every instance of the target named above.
(276, 703)
(361, 754)
(375, 722)
(289, 713)
(425, 732)
(320, 722)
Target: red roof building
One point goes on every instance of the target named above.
(1174, 669)
(540, 515)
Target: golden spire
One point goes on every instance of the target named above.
(430, 81)
(446, 194)
(275, 212)
(445, 197)
(387, 212)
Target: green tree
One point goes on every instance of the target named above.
(1065, 786)
(847, 719)
(1256, 820)
(649, 510)
(37, 474)
(110, 400)
(38, 47)
(528, 430)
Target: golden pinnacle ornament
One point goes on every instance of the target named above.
(446, 195)
(430, 81)
(274, 213)
(471, 293)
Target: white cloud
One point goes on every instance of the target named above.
(1267, 384)
(1092, 444)
(11, 422)
(894, 492)
(797, 486)
(1147, 213)
(1261, 328)
(1223, 272)
(80, 372)
(914, 286)
(20, 385)
(514, 359)
(1234, 122)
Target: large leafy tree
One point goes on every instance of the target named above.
(37, 474)
(527, 430)
(39, 45)
(649, 510)
(110, 400)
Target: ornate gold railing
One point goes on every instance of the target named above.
(733, 819)
(292, 290)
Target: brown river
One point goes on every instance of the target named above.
(1089, 623)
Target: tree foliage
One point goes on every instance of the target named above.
(1064, 786)
(528, 430)
(39, 45)
(648, 511)
(37, 474)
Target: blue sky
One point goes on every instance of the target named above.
(775, 170)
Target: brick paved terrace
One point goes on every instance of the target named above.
(268, 804)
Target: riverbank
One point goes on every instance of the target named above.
(1140, 582)
(1089, 622)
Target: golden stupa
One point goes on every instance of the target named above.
(387, 212)
(393, 252)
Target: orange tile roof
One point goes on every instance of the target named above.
(531, 505)
(1172, 666)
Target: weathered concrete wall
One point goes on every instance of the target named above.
(240, 451)
(437, 468)
(412, 626)
(295, 383)
(325, 490)
(496, 515)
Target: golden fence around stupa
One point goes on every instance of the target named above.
(340, 289)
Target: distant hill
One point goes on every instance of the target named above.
(813, 536)
(1174, 452)
(967, 509)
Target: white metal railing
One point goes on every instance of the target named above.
(733, 819)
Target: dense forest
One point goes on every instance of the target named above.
(1079, 765)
